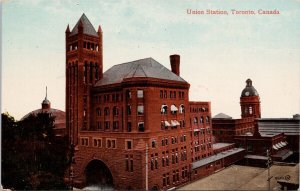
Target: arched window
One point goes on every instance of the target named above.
(207, 119)
(174, 109)
(201, 119)
(96, 72)
(250, 110)
(181, 108)
(164, 109)
(115, 111)
(91, 71)
(106, 111)
(128, 94)
(98, 111)
(195, 120)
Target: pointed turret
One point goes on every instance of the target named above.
(68, 29)
(87, 26)
(99, 29)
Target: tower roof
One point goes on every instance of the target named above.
(222, 116)
(88, 28)
(46, 102)
(249, 90)
(144, 68)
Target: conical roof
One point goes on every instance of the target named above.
(88, 28)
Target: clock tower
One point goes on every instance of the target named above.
(250, 101)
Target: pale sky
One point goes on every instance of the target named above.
(218, 52)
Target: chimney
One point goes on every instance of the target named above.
(175, 63)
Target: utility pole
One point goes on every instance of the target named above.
(269, 162)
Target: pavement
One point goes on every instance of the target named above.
(238, 177)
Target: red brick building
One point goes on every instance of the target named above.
(257, 144)
(133, 126)
(225, 128)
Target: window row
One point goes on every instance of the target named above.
(198, 109)
(91, 72)
(115, 110)
(97, 142)
(201, 120)
(172, 94)
(140, 94)
(164, 109)
(173, 124)
(114, 97)
(115, 126)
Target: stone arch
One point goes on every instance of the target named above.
(97, 173)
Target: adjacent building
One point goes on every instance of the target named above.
(59, 117)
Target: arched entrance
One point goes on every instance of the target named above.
(97, 173)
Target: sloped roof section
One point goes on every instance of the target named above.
(222, 116)
(147, 68)
(88, 28)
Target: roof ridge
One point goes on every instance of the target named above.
(130, 62)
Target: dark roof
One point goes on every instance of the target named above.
(60, 116)
(147, 68)
(249, 90)
(222, 116)
(88, 28)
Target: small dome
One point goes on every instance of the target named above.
(46, 102)
(249, 90)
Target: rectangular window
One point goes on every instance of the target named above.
(99, 125)
(126, 164)
(140, 93)
(115, 125)
(85, 141)
(107, 124)
(129, 144)
(140, 109)
(97, 142)
(128, 109)
(131, 164)
(141, 127)
(129, 126)
(111, 143)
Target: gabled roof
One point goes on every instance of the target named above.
(147, 68)
(222, 116)
(88, 28)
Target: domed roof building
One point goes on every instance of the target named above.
(250, 101)
(249, 90)
(60, 116)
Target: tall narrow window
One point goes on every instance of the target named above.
(115, 111)
(141, 127)
(140, 109)
(140, 93)
(250, 110)
(106, 111)
(128, 109)
(129, 126)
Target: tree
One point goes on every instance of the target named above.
(34, 157)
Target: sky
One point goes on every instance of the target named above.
(218, 52)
